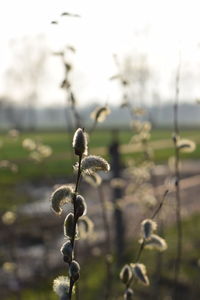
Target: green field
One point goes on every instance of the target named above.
(60, 163)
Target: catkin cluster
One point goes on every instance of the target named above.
(138, 270)
(66, 195)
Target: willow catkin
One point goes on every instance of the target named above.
(139, 270)
(94, 163)
(59, 197)
(80, 142)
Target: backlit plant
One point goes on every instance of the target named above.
(64, 195)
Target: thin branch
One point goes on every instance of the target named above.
(160, 204)
(177, 185)
(142, 245)
(140, 251)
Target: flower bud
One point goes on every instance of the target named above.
(156, 242)
(147, 228)
(186, 145)
(128, 295)
(69, 226)
(85, 227)
(93, 163)
(81, 207)
(61, 286)
(74, 270)
(80, 142)
(93, 179)
(126, 274)
(61, 196)
(67, 251)
(100, 113)
(139, 270)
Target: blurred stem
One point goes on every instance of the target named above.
(140, 251)
(74, 110)
(109, 275)
(156, 212)
(71, 101)
(160, 204)
(153, 216)
(178, 220)
(177, 185)
(93, 126)
(142, 245)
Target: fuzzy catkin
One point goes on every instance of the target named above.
(61, 286)
(68, 225)
(95, 163)
(67, 251)
(126, 274)
(74, 270)
(81, 206)
(100, 113)
(147, 227)
(185, 145)
(59, 197)
(156, 242)
(80, 142)
(139, 270)
(128, 295)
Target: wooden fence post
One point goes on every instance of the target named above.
(117, 194)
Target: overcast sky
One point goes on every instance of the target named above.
(158, 29)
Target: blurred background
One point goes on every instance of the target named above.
(59, 61)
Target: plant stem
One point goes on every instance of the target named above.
(177, 185)
(140, 250)
(153, 216)
(160, 204)
(178, 219)
(75, 218)
(138, 256)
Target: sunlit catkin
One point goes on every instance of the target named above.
(80, 142)
(93, 179)
(156, 242)
(100, 113)
(85, 227)
(59, 197)
(126, 274)
(61, 286)
(76, 210)
(185, 145)
(93, 163)
(139, 270)
(74, 270)
(69, 226)
(128, 295)
(67, 251)
(147, 227)
(81, 206)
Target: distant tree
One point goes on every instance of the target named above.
(26, 73)
(10, 115)
(136, 74)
